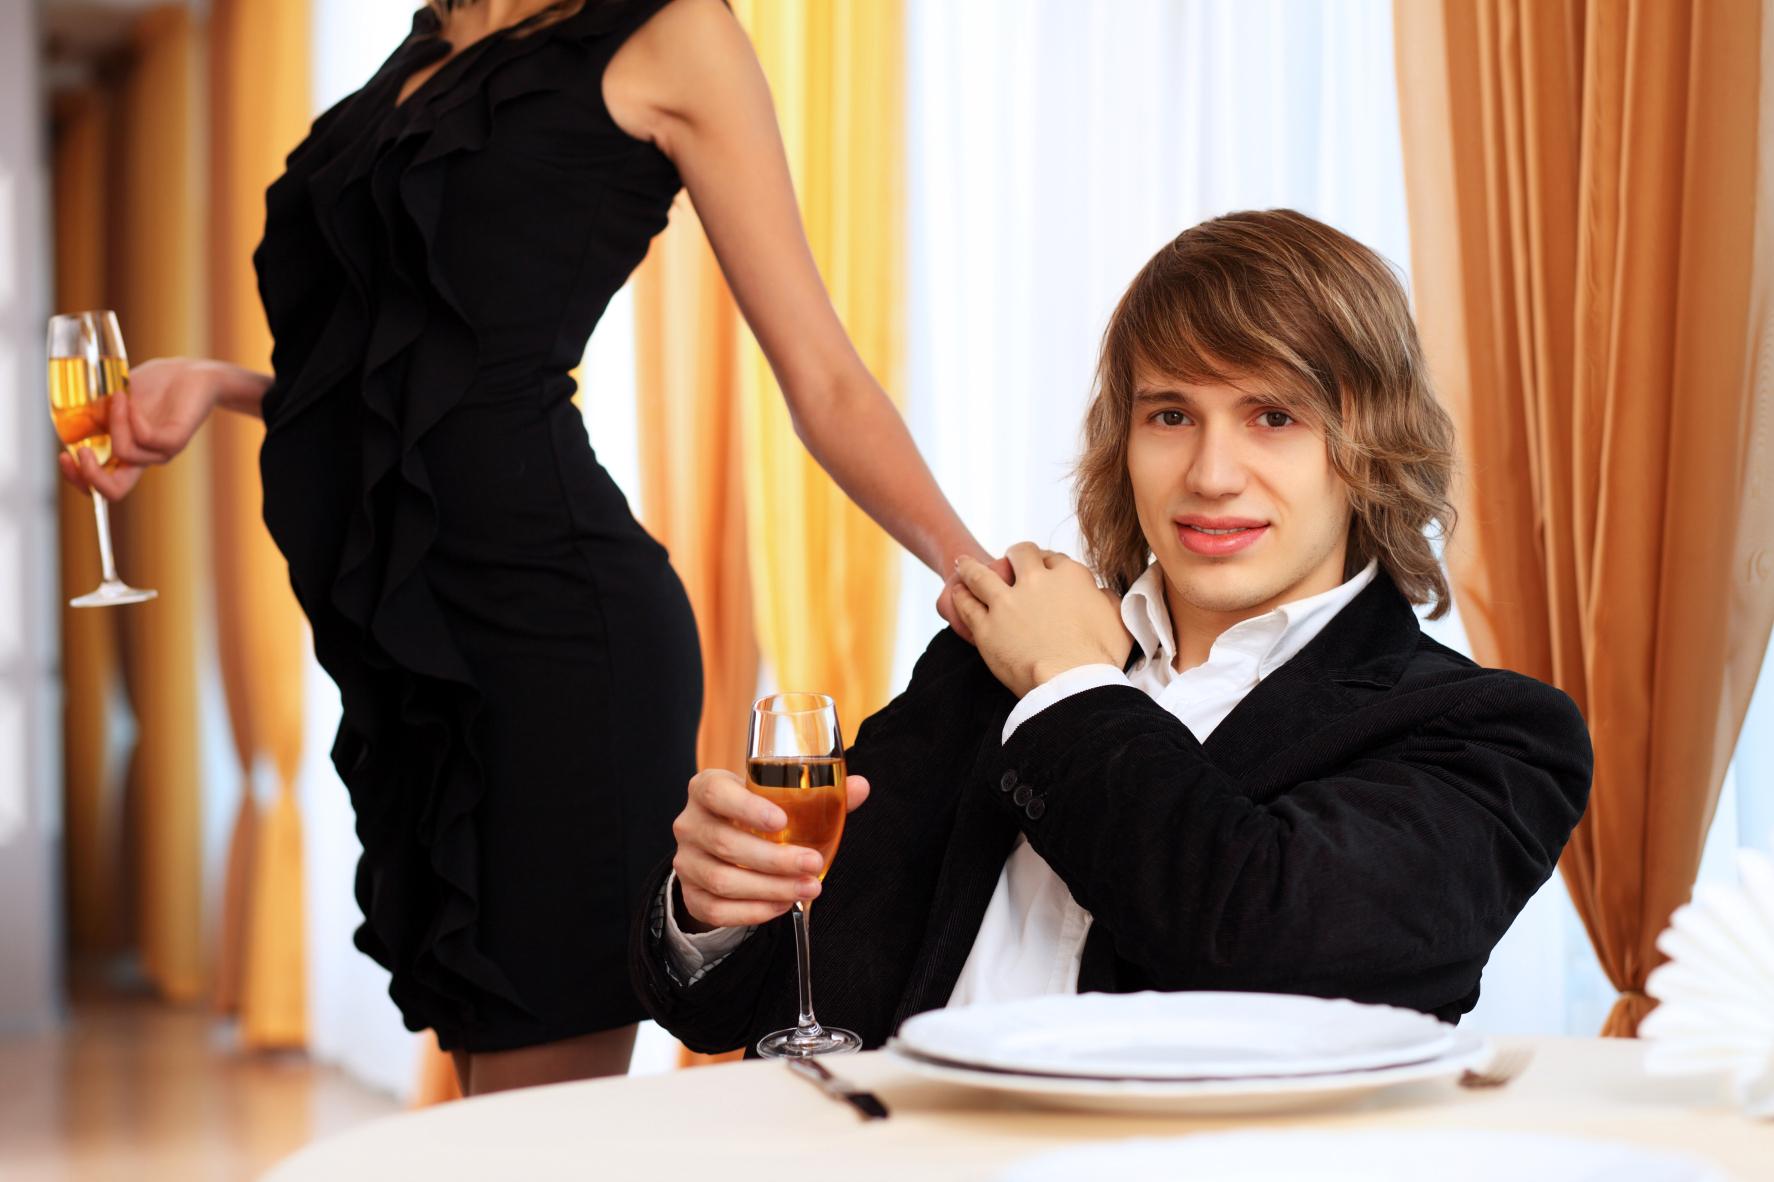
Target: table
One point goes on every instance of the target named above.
(756, 1121)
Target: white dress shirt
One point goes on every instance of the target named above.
(1032, 937)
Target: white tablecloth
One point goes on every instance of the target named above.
(756, 1121)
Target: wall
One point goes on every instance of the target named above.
(30, 705)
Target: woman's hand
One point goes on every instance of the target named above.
(151, 421)
(945, 603)
(1053, 619)
(731, 878)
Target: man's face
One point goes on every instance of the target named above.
(1236, 496)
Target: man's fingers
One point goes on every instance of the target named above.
(980, 579)
(856, 790)
(726, 796)
(1024, 559)
(717, 912)
(971, 610)
(730, 844)
(727, 881)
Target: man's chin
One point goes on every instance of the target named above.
(1226, 592)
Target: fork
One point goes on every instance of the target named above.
(1502, 1067)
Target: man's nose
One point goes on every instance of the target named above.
(1216, 469)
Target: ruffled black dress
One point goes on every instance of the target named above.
(516, 660)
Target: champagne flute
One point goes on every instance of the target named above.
(796, 762)
(87, 365)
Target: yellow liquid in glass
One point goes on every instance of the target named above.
(80, 401)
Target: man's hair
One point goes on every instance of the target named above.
(1276, 297)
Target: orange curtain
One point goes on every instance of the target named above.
(258, 76)
(92, 810)
(826, 577)
(1595, 282)
(158, 211)
(692, 465)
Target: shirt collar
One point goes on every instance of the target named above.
(1271, 639)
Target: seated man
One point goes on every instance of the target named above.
(1250, 771)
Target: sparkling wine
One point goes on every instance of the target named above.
(811, 791)
(80, 401)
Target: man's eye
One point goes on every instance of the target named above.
(1276, 419)
(1172, 418)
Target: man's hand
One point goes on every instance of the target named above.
(945, 603)
(1055, 618)
(729, 877)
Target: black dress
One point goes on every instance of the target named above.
(517, 662)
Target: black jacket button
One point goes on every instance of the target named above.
(1021, 796)
(1007, 781)
(1035, 808)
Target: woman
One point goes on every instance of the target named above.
(517, 662)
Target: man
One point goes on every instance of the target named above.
(1242, 766)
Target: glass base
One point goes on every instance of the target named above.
(800, 1044)
(113, 594)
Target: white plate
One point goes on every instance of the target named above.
(1208, 1097)
(1369, 1155)
(1171, 1036)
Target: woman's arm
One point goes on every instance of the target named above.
(689, 82)
(153, 420)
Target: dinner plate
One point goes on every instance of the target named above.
(1176, 1036)
(1367, 1155)
(1206, 1097)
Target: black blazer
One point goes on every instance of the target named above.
(1366, 823)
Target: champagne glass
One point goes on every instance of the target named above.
(87, 365)
(796, 762)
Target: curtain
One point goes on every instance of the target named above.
(91, 803)
(692, 461)
(158, 211)
(259, 110)
(824, 576)
(1594, 292)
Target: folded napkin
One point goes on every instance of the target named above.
(1717, 989)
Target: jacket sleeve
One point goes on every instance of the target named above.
(1417, 852)
(914, 751)
(722, 1008)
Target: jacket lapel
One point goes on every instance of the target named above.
(1361, 652)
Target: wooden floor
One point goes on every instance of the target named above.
(132, 1089)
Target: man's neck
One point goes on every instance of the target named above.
(1195, 628)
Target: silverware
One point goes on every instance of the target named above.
(816, 1073)
(1502, 1067)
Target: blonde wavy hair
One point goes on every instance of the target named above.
(1280, 297)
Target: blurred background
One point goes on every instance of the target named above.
(1579, 195)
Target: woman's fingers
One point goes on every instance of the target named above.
(71, 471)
(114, 482)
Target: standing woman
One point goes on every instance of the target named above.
(517, 662)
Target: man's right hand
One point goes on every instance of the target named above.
(151, 422)
(731, 878)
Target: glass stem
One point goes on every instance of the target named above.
(807, 1027)
(101, 509)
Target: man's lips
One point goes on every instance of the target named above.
(1216, 537)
